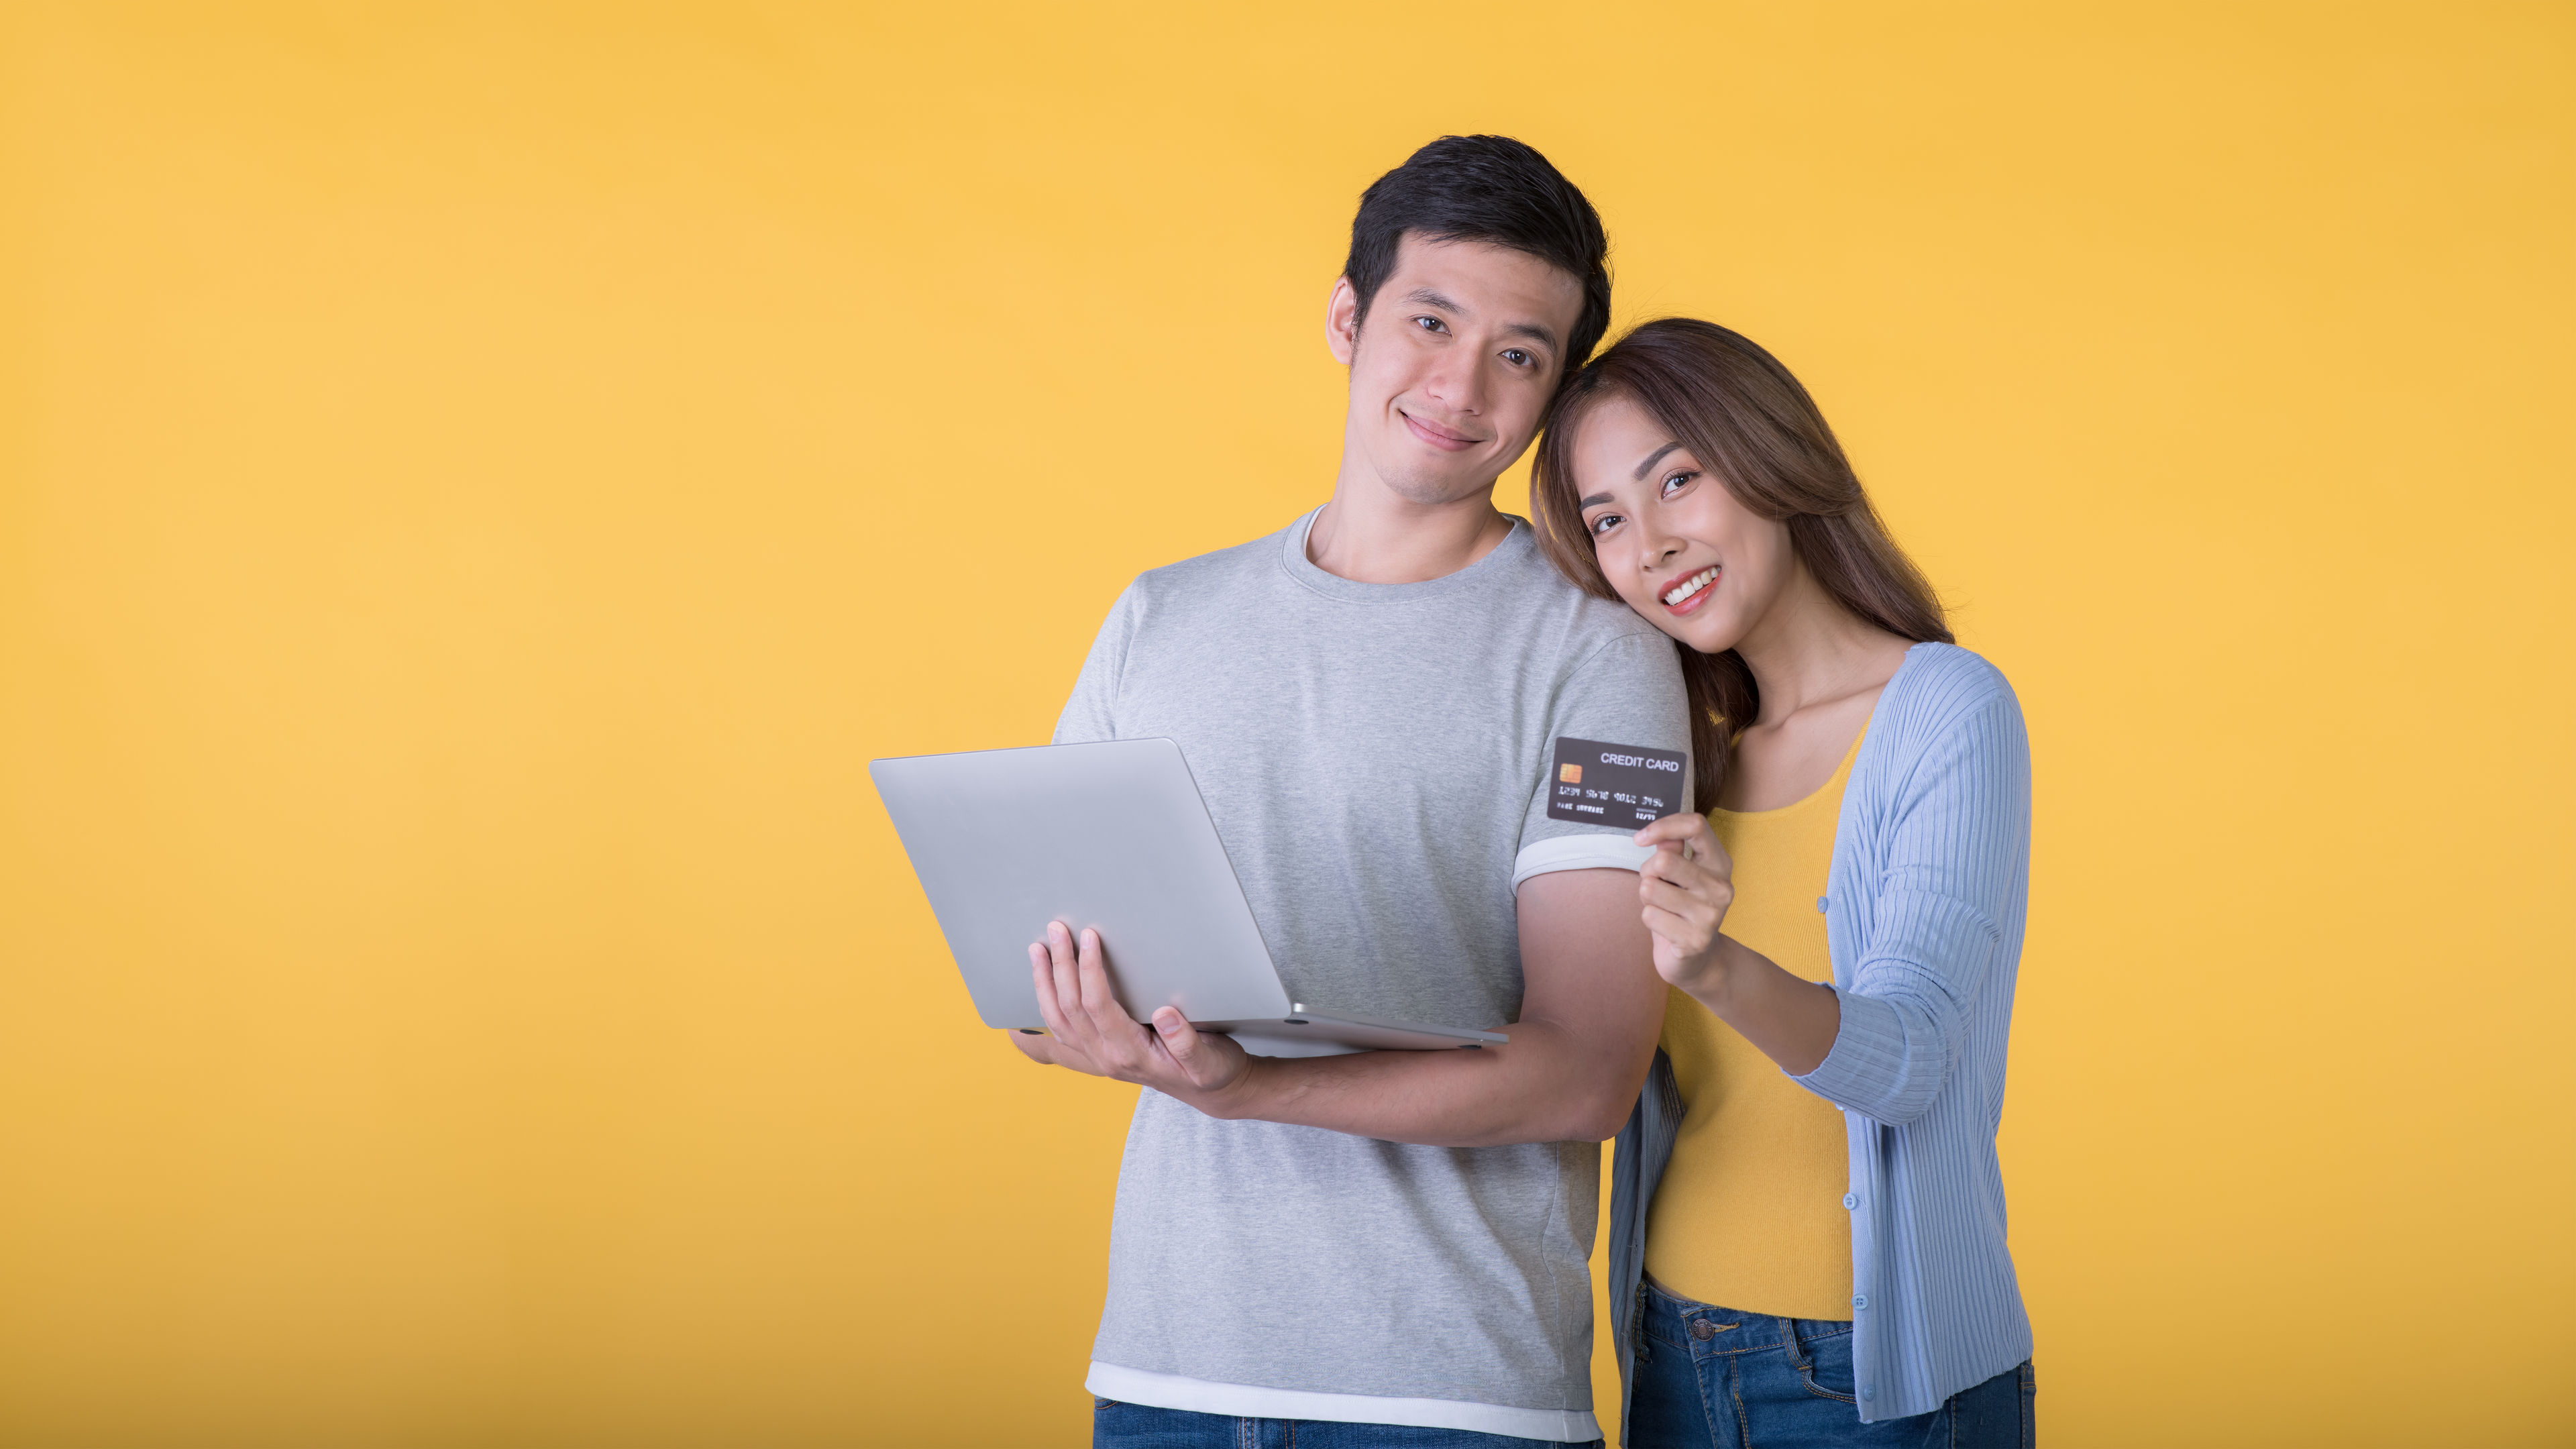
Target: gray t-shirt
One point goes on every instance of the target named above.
(1376, 757)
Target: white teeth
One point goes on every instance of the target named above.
(1690, 586)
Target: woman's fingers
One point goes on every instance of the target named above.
(1689, 834)
(1668, 928)
(1686, 829)
(1672, 829)
(1668, 863)
(1685, 922)
(1680, 900)
(1666, 870)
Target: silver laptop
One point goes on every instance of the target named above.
(1113, 836)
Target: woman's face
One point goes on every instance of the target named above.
(1673, 541)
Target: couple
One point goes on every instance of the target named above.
(1796, 1001)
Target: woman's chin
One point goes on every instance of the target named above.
(1703, 630)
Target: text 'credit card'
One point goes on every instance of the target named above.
(1629, 786)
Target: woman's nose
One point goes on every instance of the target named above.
(1660, 543)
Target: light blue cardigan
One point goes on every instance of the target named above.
(1923, 915)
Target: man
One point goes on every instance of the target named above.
(1369, 701)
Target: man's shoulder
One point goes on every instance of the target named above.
(1223, 568)
(1586, 623)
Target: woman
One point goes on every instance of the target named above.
(1808, 1218)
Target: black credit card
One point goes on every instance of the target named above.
(1627, 786)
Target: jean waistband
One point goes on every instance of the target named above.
(1660, 1303)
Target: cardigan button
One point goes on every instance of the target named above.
(1860, 1300)
(1851, 1200)
(1820, 904)
(1867, 1393)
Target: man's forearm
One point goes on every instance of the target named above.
(1589, 1015)
(1590, 1006)
(1540, 1087)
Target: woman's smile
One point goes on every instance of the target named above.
(1688, 594)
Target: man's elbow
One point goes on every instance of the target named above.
(1566, 1119)
(1600, 1116)
(1602, 1126)
(1609, 1099)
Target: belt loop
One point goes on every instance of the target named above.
(1789, 1341)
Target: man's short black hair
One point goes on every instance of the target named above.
(1489, 189)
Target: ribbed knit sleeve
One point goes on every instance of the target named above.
(1960, 831)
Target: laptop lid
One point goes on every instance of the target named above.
(1112, 835)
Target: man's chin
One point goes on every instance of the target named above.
(1427, 489)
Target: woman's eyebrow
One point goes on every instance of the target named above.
(1653, 458)
(1595, 498)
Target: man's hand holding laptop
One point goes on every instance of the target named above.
(1089, 1031)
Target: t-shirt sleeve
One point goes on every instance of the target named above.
(1628, 693)
(1091, 713)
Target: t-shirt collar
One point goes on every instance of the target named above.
(1505, 556)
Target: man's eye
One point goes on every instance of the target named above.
(1516, 357)
(1676, 481)
(1430, 324)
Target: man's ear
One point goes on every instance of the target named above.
(1342, 321)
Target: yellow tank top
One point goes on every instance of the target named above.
(1750, 1213)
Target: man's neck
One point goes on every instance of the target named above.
(1370, 536)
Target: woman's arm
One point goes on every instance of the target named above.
(1686, 889)
(1955, 856)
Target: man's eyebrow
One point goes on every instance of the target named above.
(1430, 298)
(1652, 459)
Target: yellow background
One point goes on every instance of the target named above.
(481, 481)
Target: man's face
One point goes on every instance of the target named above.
(1453, 366)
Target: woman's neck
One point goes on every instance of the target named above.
(1808, 650)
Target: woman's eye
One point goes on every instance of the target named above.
(1430, 324)
(1675, 482)
(1516, 357)
(1604, 523)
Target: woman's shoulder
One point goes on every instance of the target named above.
(1940, 687)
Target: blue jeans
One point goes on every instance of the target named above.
(1727, 1380)
(1134, 1426)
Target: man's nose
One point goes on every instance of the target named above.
(1458, 384)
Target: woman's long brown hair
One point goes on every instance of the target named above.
(1748, 421)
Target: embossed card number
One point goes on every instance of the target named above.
(1626, 786)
